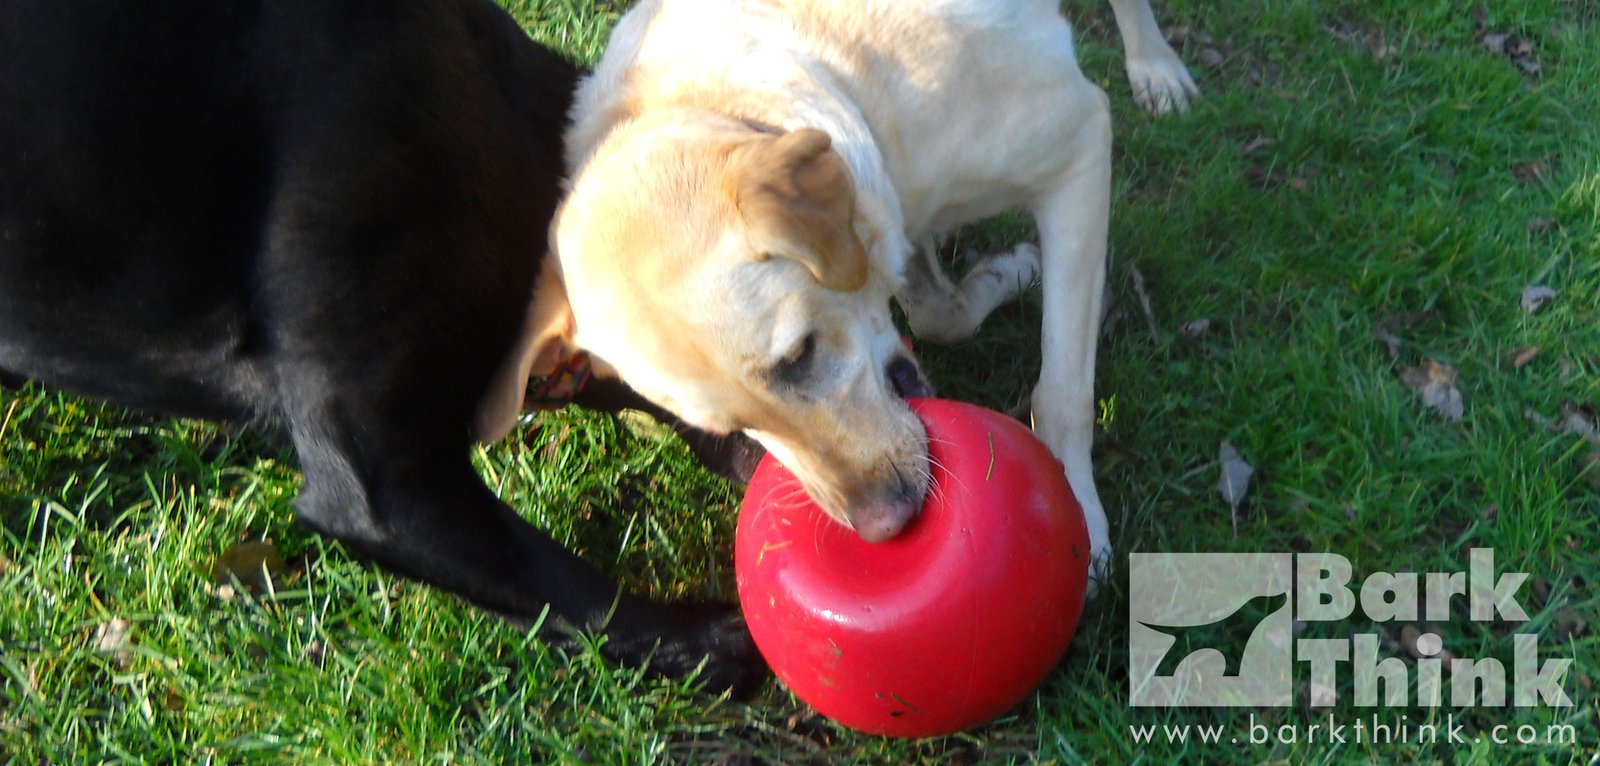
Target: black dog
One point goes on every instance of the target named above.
(329, 217)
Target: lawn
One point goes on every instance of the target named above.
(1333, 262)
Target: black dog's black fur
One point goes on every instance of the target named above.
(327, 216)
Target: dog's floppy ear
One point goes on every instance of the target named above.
(797, 201)
(545, 344)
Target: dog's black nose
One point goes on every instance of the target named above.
(906, 379)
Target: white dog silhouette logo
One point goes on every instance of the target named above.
(1176, 597)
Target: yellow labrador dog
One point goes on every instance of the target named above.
(748, 180)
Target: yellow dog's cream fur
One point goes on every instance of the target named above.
(748, 182)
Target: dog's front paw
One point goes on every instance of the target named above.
(709, 641)
(1161, 83)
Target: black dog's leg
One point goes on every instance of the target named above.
(420, 509)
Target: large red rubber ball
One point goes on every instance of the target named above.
(948, 624)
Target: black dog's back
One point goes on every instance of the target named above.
(188, 182)
(325, 213)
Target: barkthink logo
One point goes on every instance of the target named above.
(1176, 596)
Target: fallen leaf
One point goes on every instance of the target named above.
(254, 563)
(1258, 143)
(1144, 304)
(1540, 420)
(644, 426)
(1343, 29)
(1541, 591)
(1538, 226)
(1535, 296)
(1389, 340)
(1496, 42)
(316, 652)
(1234, 482)
(1422, 644)
(1581, 419)
(1529, 172)
(1195, 328)
(1569, 624)
(1589, 468)
(113, 637)
(1435, 384)
(1210, 58)
(1523, 356)
(1406, 319)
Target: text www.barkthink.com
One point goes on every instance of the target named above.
(1372, 730)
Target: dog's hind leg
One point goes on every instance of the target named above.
(940, 310)
(1072, 216)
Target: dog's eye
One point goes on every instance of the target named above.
(795, 366)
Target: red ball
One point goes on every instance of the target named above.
(948, 624)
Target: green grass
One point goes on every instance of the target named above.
(1386, 197)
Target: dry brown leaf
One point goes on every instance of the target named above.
(1234, 482)
(1389, 341)
(1210, 58)
(1589, 468)
(113, 637)
(253, 563)
(1535, 296)
(1529, 172)
(316, 652)
(1496, 42)
(1524, 355)
(1435, 384)
(1258, 143)
(1423, 644)
(1195, 328)
(1144, 304)
(1406, 319)
(1538, 226)
(1581, 419)
(1569, 624)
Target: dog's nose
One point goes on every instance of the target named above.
(888, 516)
(906, 380)
(880, 521)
